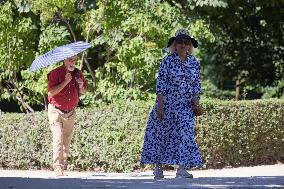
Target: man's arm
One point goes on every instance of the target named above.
(56, 89)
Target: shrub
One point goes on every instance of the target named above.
(235, 133)
(110, 137)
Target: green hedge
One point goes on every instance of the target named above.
(241, 133)
(110, 137)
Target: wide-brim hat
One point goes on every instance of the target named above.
(183, 34)
(171, 41)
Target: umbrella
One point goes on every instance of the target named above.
(58, 54)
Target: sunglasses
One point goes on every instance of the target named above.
(183, 41)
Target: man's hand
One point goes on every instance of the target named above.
(56, 89)
(80, 83)
(68, 77)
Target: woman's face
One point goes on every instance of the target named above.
(183, 46)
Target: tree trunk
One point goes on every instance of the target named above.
(83, 56)
(19, 98)
(92, 74)
(238, 95)
(222, 78)
(25, 105)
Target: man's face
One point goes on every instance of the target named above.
(70, 63)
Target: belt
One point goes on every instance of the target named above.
(63, 111)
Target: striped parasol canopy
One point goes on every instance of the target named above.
(58, 54)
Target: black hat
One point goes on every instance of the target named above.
(183, 34)
(171, 40)
(194, 42)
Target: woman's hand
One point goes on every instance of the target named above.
(160, 108)
(195, 105)
(197, 110)
(160, 112)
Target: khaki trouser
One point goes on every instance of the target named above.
(62, 127)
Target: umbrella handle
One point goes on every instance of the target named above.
(76, 73)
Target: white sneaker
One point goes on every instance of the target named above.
(182, 173)
(158, 173)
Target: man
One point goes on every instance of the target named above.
(65, 84)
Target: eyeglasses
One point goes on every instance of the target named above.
(183, 41)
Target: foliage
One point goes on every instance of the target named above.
(209, 90)
(23, 37)
(133, 44)
(48, 9)
(110, 137)
(51, 37)
(241, 133)
(17, 48)
(276, 91)
(248, 42)
(238, 40)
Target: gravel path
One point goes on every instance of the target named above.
(266, 176)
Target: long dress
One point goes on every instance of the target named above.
(171, 140)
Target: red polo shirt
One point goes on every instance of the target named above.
(67, 99)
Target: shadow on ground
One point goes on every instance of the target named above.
(92, 182)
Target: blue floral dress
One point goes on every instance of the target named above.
(171, 140)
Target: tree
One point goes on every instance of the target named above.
(29, 28)
(17, 47)
(249, 43)
(133, 35)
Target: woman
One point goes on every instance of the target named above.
(169, 136)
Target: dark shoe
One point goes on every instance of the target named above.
(182, 173)
(158, 173)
